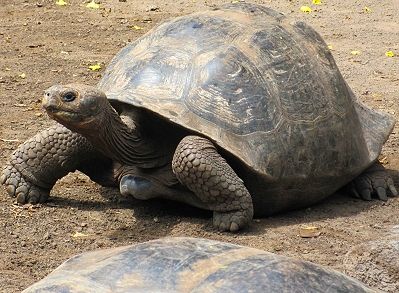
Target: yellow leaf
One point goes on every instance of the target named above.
(309, 231)
(61, 2)
(330, 47)
(367, 9)
(316, 2)
(95, 67)
(136, 27)
(383, 160)
(306, 9)
(23, 75)
(390, 54)
(93, 5)
(235, 1)
(79, 234)
(355, 52)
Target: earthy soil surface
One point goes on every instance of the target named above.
(42, 44)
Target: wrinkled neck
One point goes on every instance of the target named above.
(120, 139)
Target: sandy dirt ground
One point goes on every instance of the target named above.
(42, 44)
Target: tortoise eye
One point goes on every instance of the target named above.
(69, 96)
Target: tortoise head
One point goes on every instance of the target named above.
(78, 107)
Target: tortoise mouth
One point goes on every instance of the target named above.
(74, 121)
(67, 117)
(54, 111)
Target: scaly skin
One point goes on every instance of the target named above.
(37, 164)
(201, 169)
(375, 180)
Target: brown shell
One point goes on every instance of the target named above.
(183, 264)
(260, 85)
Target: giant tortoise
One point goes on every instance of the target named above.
(191, 265)
(238, 110)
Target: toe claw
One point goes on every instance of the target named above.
(381, 193)
(21, 198)
(365, 194)
(11, 190)
(393, 190)
(234, 227)
(33, 197)
(391, 187)
(222, 227)
(354, 192)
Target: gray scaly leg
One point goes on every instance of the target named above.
(201, 169)
(375, 180)
(38, 163)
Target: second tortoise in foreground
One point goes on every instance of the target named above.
(191, 265)
(238, 110)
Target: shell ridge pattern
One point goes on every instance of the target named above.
(203, 268)
(293, 72)
(230, 91)
(252, 82)
(325, 67)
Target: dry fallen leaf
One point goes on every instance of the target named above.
(9, 140)
(355, 52)
(93, 5)
(309, 231)
(367, 9)
(22, 75)
(61, 2)
(306, 9)
(95, 67)
(79, 234)
(317, 2)
(383, 160)
(136, 27)
(390, 54)
(330, 47)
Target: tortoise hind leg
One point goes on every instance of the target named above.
(201, 169)
(38, 163)
(374, 181)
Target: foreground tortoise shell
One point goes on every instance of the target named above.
(265, 89)
(191, 265)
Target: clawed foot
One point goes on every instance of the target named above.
(24, 191)
(375, 181)
(231, 221)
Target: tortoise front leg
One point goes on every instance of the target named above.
(38, 163)
(201, 169)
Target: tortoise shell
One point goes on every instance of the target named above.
(260, 85)
(191, 265)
